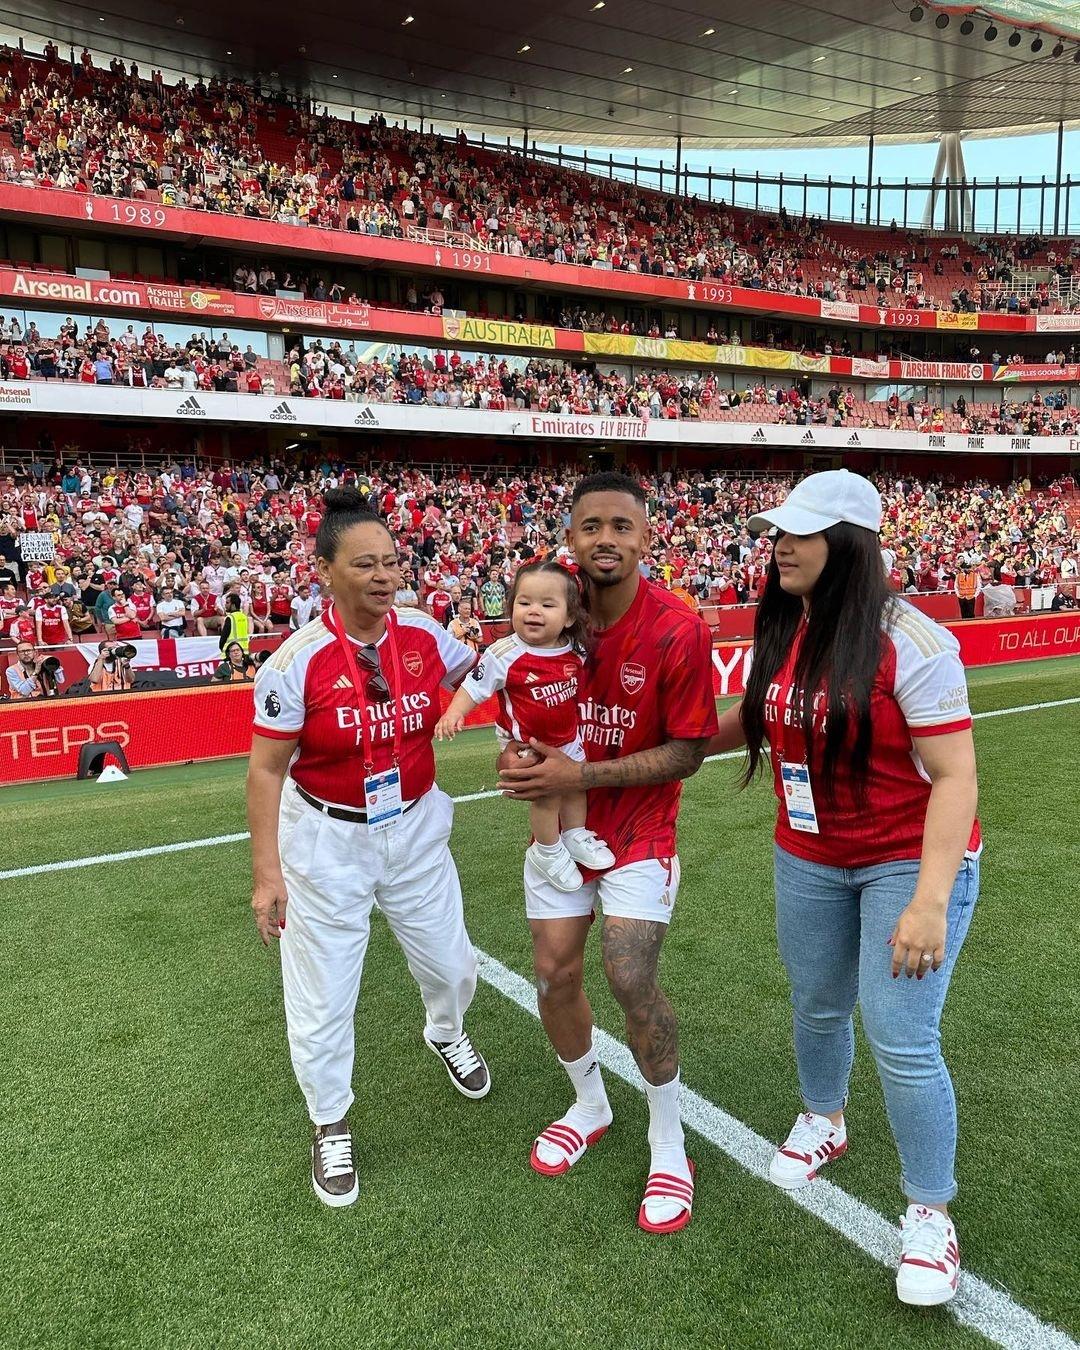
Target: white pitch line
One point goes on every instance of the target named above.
(978, 1305)
(213, 840)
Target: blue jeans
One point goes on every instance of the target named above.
(833, 925)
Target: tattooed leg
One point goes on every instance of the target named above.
(631, 949)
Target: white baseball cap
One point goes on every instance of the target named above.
(821, 500)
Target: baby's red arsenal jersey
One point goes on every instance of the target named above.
(305, 691)
(648, 680)
(537, 689)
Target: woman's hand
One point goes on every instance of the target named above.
(269, 902)
(919, 931)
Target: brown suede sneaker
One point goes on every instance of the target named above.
(332, 1172)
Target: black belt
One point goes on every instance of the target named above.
(340, 812)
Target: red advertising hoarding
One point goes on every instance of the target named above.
(150, 218)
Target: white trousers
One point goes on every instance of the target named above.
(334, 873)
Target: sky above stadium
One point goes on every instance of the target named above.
(1006, 158)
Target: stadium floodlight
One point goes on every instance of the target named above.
(1014, 39)
(942, 21)
(1036, 46)
(916, 13)
(967, 27)
(1058, 49)
(991, 33)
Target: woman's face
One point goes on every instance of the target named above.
(364, 573)
(801, 559)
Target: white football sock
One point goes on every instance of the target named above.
(590, 1112)
(549, 850)
(667, 1145)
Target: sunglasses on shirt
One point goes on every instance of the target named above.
(369, 658)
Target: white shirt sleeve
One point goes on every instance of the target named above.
(490, 673)
(930, 684)
(279, 699)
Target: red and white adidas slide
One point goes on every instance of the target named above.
(567, 1141)
(666, 1186)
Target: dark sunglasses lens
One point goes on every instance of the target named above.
(378, 687)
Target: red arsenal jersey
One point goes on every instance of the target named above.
(52, 624)
(537, 688)
(305, 691)
(919, 690)
(647, 681)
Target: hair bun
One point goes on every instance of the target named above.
(344, 499)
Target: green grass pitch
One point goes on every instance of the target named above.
(155, 1148)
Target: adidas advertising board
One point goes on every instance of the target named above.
(254, 409)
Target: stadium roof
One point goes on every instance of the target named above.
(621, 72)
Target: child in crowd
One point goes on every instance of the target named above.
(535, 672)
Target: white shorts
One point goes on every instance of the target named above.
(640, 890)
(575, 748)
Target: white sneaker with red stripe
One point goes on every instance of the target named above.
(667, 1202)
(814, 1140)
(929, 1258)
(565, 1140)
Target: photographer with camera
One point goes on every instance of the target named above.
(111, 672)
(31, 676)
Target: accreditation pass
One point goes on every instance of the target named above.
(799, 798)
(382, 796)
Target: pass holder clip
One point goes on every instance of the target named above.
(799, 797)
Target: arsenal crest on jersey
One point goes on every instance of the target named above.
(413, 663)
(632, 676)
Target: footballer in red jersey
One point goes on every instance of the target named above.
(647, 713)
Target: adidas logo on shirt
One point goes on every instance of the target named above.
(342, 682)
(808, 439)
(532, 677)
(190, 408)
(283, 413)
(758, 436)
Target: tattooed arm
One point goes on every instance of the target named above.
(662, 764)
(556, 772)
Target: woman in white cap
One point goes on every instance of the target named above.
(863, 703)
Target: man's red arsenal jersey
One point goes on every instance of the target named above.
(648, 680)
(305, 691)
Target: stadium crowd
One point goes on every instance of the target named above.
(236, 148)
(95, 355)
(177, 551)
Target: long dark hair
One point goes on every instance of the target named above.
(578, 630)
(840, 653)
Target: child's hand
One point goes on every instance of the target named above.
(448, 726)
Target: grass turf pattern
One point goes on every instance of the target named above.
(155, 1152)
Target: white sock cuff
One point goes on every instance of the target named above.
(583, 1063)
(662, 1092)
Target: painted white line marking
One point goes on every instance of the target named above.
(158, 849)
(978, 1305)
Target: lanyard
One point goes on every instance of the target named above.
(393, 681)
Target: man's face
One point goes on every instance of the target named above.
(609, 532)
(25, 653)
